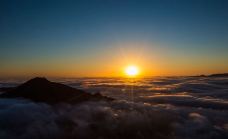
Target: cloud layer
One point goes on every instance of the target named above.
(178, 108)
(119, 119)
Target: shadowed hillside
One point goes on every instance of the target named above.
(42, 90)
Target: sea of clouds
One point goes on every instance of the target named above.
(160, 108)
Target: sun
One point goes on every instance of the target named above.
(132, 71)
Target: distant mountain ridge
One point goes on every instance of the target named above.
(213, 75)
(41, 90)
(219, 75)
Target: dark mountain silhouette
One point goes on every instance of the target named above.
(213, 75)
(219, 75)
(42, 90)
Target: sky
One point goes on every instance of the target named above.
(91, 38)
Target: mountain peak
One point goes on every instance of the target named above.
(41, 90)
(38, 80)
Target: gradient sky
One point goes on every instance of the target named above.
(100, 37)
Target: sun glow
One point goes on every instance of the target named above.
(132, 71)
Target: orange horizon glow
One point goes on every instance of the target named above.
(111, 61)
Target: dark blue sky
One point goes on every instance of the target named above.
(38, 33)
